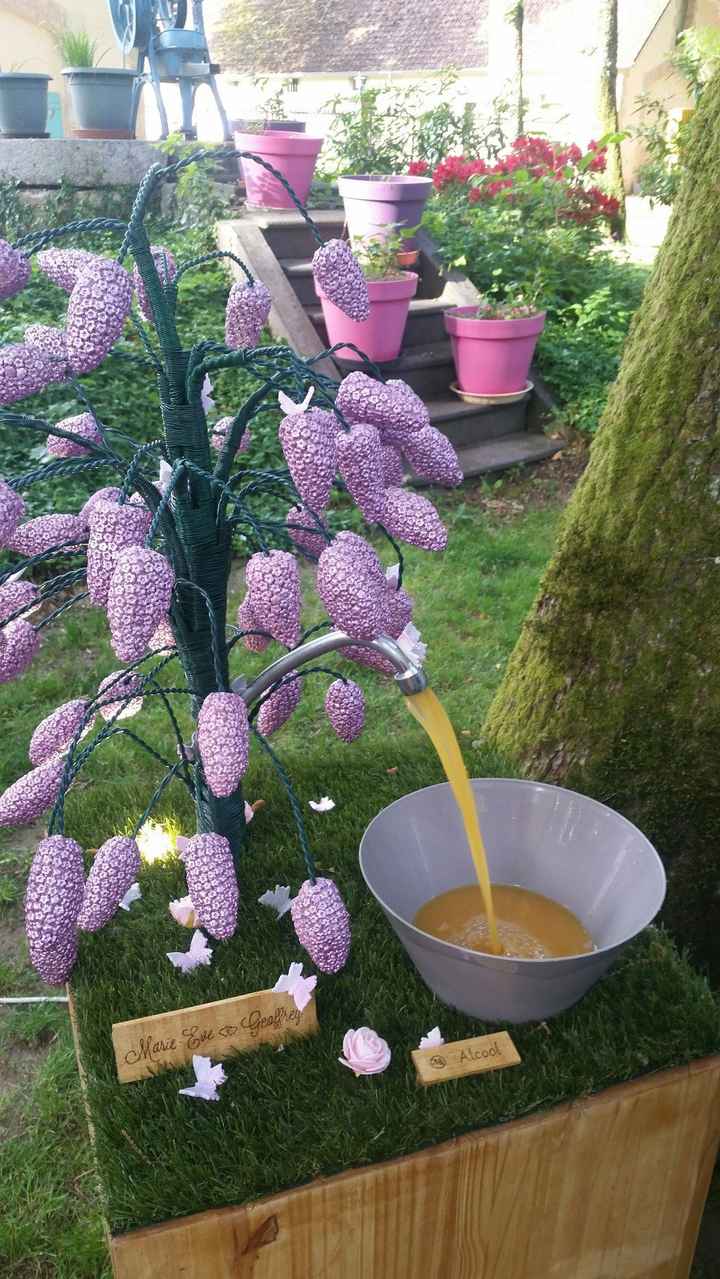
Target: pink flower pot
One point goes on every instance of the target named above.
(492, 357)
(380, 336)
(292, 154)
(373, 204)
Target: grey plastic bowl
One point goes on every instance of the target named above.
(544, 838)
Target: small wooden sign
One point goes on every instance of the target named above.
(465, 1057)
(147, 1045)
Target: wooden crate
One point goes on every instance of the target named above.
(611, 1187)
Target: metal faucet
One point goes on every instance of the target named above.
(409, 678)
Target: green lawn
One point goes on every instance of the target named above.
(470, 603)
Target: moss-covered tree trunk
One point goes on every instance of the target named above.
(614, 686)
(607, 107)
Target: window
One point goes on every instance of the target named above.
(293, 85)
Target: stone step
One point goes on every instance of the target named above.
(428, 369)
(466, 424)
(289, 236)
(425, 326)
(519, 449)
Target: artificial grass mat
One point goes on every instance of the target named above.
(287, 1116)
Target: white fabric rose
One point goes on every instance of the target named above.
(365, 1052)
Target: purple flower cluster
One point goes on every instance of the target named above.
(432, 457)
(273, 592)
(223, 738)
(166, 267)
(219, 436)
(24, 370)
(52, 904)
(63, 266)
(397, 610)
(303, 531)
(116, 864)
(32, 794)
(84, 426)
(51, 342)
(120, 694)
(98, 306)
(413, 518)
(162, 637)
(278, 706)
(322, 924)
(392, 464)
(45, 532)
(15, 595)
(212, 884)
(14, 271)
(246, 313)
(360, 458)
(12, 509)
(101, 495)
(391, 406)
(139, 597)
(113, 527)
(345, 708)
(338, 277)
(351, 585)
(55, 733)
(309, 443)
(20, 643)
(247, 621)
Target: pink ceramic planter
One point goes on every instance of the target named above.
(492, 357)
(292, 154)
(380, 336)
(373, 204)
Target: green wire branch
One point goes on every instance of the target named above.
(293, 801)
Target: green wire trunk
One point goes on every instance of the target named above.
(206, 542)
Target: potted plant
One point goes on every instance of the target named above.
(389, 289)
(23, 104)
(493, 343)
(291, 152)
(101, 97)
(376, 204)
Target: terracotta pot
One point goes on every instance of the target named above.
(408, 257)
(492, 357)
(292, 154)
(380, 336)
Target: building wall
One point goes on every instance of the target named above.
(27, 42)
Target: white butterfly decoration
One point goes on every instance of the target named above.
(289, 407)
(187, 960)
(277, 899)
(208, 1079)
(165, 475)
(293, 983)
(411, 644)
(183, 912)
(392, 574)
(206, 395)
(133, 894)
(324, 805)
(433, 1039)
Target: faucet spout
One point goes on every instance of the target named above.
(408, 677)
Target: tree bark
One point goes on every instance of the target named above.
(516, 17)
(607, 108)
(614, 686)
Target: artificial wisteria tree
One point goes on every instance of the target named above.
(153, 547)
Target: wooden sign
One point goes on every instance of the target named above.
(465, 1057)
(147, 1045)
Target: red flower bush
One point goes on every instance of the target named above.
(529, 162)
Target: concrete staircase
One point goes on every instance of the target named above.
(278, 248)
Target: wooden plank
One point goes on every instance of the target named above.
(287, 317)
(165, 1041)
(606, 1188)
(464, 1057)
